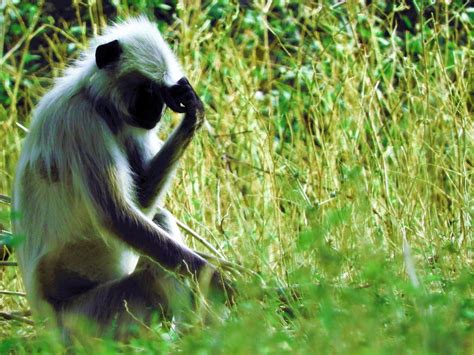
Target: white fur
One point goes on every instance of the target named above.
(65, 129)
(139, 54)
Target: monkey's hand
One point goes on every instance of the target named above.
(183, 99)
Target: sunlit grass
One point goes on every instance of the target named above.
(337, 161)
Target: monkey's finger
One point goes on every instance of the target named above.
(171, 102)
(179, 88)
(183, 81)
(187, 99)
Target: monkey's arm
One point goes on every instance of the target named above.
(161, 168)
(180, 98)
(111, 208)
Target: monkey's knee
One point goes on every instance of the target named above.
(167, 221)
(175, 291)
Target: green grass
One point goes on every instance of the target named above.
(337, 163)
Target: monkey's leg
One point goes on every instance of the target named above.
(121, 303)
(167, 221)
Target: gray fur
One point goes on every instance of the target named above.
(88, 183)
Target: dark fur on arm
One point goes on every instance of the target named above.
(133, 228)
(180, 98)
(161, 168)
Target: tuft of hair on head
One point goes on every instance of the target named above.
(136, 45)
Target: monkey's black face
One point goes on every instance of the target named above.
(147, 106)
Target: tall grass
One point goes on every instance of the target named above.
(336, 162)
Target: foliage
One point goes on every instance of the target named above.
(337, 164)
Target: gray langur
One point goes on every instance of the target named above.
(91, 177)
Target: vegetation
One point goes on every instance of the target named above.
(336, 163)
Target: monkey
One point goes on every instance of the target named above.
(97, 242)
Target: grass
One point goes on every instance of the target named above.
(337, 163)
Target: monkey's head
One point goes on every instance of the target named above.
(139, 68)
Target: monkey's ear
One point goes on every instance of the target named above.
(107, 53)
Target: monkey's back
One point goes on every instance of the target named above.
(62, 249)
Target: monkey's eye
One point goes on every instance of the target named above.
(149, 89)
